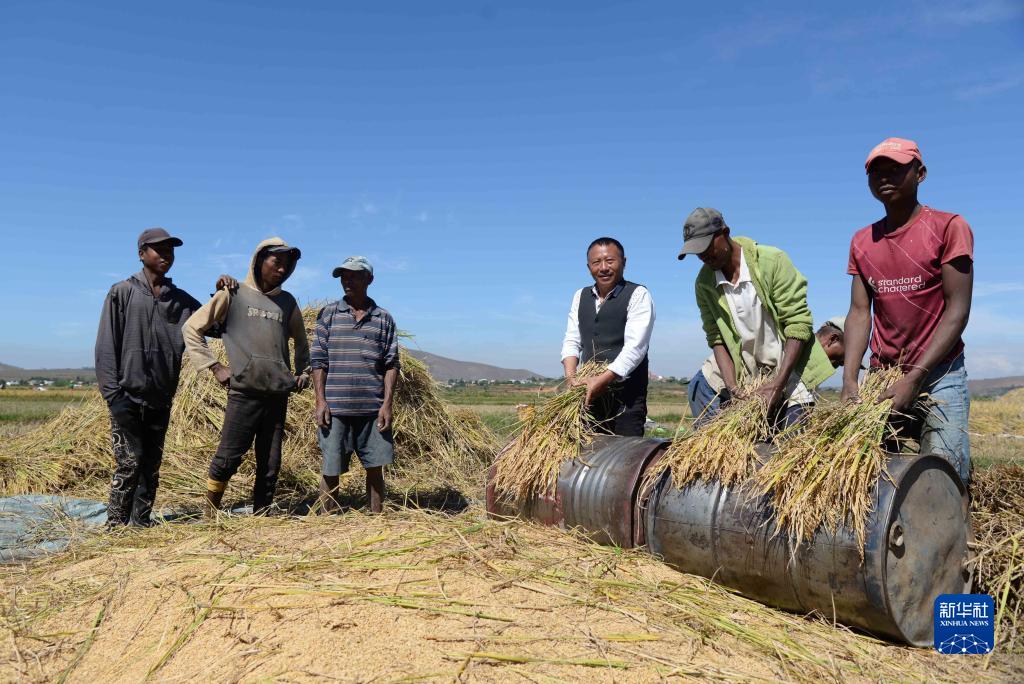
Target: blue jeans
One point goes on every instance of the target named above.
(705, 403)
(941, 428)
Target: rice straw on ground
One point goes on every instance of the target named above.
(997, 516)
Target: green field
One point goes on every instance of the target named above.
(19, 407)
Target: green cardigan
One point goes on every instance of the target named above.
(783, 291)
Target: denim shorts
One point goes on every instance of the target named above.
(357, 434)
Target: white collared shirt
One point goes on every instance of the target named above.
(639, 325)
(761, 347)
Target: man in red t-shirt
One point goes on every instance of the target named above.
(913, 274)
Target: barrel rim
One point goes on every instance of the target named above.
(913, 463)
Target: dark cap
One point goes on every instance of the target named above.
(284, 249)
(152, 236)
(700, 229)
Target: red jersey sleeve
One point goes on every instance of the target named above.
(851, 266)
(959, 240)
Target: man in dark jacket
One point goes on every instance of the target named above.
(139, 348)
(256, 322)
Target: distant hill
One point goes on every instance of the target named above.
(8, 372)
(991, 387)
(442, 368)
(445, 369)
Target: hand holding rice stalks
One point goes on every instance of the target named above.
(546, 438)
(724, 447)
(826, 469)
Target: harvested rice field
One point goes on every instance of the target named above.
(412, 596)
(438, 593)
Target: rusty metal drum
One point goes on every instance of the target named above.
(596, 492)
(917, 543)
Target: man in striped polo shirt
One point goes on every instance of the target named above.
(355, 367)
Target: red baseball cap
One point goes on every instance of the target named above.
(900, 150)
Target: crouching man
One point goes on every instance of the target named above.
(256, 322)
(706, 390)
(355, 369)
(753, 306)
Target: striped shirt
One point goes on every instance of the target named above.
(355, 355)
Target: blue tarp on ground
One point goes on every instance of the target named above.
(35, 524)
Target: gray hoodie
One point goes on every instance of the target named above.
(256, 327)
(139, 344)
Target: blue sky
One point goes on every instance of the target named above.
(472, 150)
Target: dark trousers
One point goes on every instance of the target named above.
(137, 433)
(621, 411)
(252, 417)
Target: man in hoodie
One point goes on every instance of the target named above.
(256, 322)
(139, 348)
(753, 306)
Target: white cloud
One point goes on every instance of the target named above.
(987, 289)
(964, 13)
(293, 222)
(989, 87)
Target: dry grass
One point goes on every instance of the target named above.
(997, 516)
(997, 429)
(435, 445)
(551, 434)
(410, 596)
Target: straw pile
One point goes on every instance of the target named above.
(723, 448)
(554, 433)
(435, 446)
(412, 596)
(826, 469)
(997, 516)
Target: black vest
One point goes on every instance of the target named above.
(603, 333)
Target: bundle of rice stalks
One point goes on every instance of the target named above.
(997, 516)
(434, 445)
(723, 448)
(826, 469)
(546, 438)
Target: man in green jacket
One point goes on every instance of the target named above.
(753, 306)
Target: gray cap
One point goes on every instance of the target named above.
(284, 249)
(353, 263)
(837, 322)
(700, 229)
(152, 236)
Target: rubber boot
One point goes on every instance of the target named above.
(214, 494)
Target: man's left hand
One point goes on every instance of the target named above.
(771, 393)
(227, 282)
(598, 385)
(384, 418)
(903, 393)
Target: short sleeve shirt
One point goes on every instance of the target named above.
(902, 271)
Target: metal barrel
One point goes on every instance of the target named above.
(916, 546)
(596, 492)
